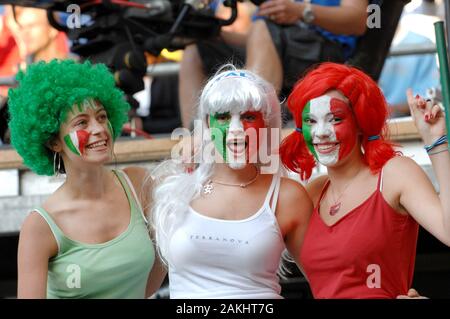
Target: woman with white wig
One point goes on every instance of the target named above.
(222, 228)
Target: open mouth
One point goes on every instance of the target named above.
(97, 146)
(237, 146)
(326, 148)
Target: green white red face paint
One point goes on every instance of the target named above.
(329, 128)
(76, 141)
(230, 134)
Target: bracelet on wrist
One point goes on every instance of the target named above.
(439, 141)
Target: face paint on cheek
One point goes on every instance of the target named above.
(252, 129)
(346, 130)
(319, 131)
(76, 141)
(306, 129)
(219, 131)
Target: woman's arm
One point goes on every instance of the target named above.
(156, 277)
(293, 211)
(314, 187)
(417, 194)
(36, 245)
(350, 17)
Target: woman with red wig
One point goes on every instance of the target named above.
(361, 239)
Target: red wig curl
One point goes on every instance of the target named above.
(368, 105)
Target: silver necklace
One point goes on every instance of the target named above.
(334, 209)
(208, 187)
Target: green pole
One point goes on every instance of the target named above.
(443, 70)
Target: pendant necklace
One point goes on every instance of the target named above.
(334, 208)
(208, 187)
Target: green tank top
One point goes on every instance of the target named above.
(118, 268)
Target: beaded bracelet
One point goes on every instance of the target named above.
(439, 141)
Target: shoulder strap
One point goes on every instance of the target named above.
(380, 181)
(129, 188)
(276, 192)
(271, 189)
(57, 232)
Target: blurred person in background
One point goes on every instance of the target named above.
(25, 37)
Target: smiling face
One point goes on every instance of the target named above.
(230, 133)
(329, 128)
(87, 132)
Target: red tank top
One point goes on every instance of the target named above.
(368, 253)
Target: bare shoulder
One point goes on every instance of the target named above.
(35, 223)
(399, 161)
(401, 166)
(293, 196)
(291, 189)
(315, 186)
(142, 183)
(137, 175)
(294, 206)
(36, 232)
(402, 173)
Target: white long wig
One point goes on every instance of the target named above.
(229, 90)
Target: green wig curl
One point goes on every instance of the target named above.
(46, 93)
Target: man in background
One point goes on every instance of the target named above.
(25, 37)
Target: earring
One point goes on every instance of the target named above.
(56, 170)
(54, 163)
(59, 163)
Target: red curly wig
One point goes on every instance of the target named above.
(368, 105)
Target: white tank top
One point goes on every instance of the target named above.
(216, 258)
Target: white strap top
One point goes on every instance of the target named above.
(216, 258)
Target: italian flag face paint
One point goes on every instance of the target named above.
(226, 127)
(220, 124)
(76, 141)
(329, 128)
(253, 121)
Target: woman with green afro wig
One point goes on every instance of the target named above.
(45, 96)
(90, 238)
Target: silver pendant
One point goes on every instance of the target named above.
(334, 209)
(208, 188)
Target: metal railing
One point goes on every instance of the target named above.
(411, 49)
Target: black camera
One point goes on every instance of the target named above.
(118, 32)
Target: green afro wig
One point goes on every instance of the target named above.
(46, 93)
